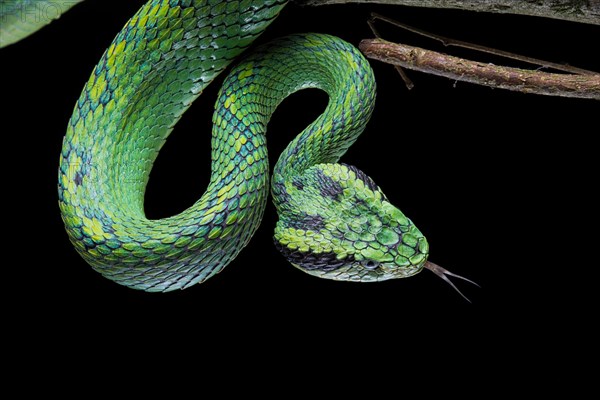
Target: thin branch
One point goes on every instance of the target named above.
(516, 79)
(407, 81)
(583, 11)
(446, 41)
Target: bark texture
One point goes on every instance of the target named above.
(460, 69)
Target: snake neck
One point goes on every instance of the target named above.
(332, 65)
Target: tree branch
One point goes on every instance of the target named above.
(446, 41)
(584, 11)
(516, 79)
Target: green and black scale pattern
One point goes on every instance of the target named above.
(338, 224)
(334, 221)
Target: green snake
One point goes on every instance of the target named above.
(334, 221)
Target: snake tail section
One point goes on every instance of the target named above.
(21, 18)
(156, 66)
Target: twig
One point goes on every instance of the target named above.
(446, 41)
(516, 79)
(407, 81)
(583, 11)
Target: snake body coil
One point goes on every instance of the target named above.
(334, 221)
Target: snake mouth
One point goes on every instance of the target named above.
(311, 262)
(330, 266)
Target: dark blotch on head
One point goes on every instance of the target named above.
(297, 183)
(280, 192)
(328, 187)
(311, 261)
(305, 222)
(363, 177)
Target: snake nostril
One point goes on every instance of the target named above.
(371, 264)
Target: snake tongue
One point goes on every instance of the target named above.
(444, 273)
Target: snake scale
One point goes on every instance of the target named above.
(334, 221)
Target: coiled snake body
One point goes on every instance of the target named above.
(334, 221)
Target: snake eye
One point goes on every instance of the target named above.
(370, 264)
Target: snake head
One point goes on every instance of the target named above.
(336, 223)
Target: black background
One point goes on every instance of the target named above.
(498, 181)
